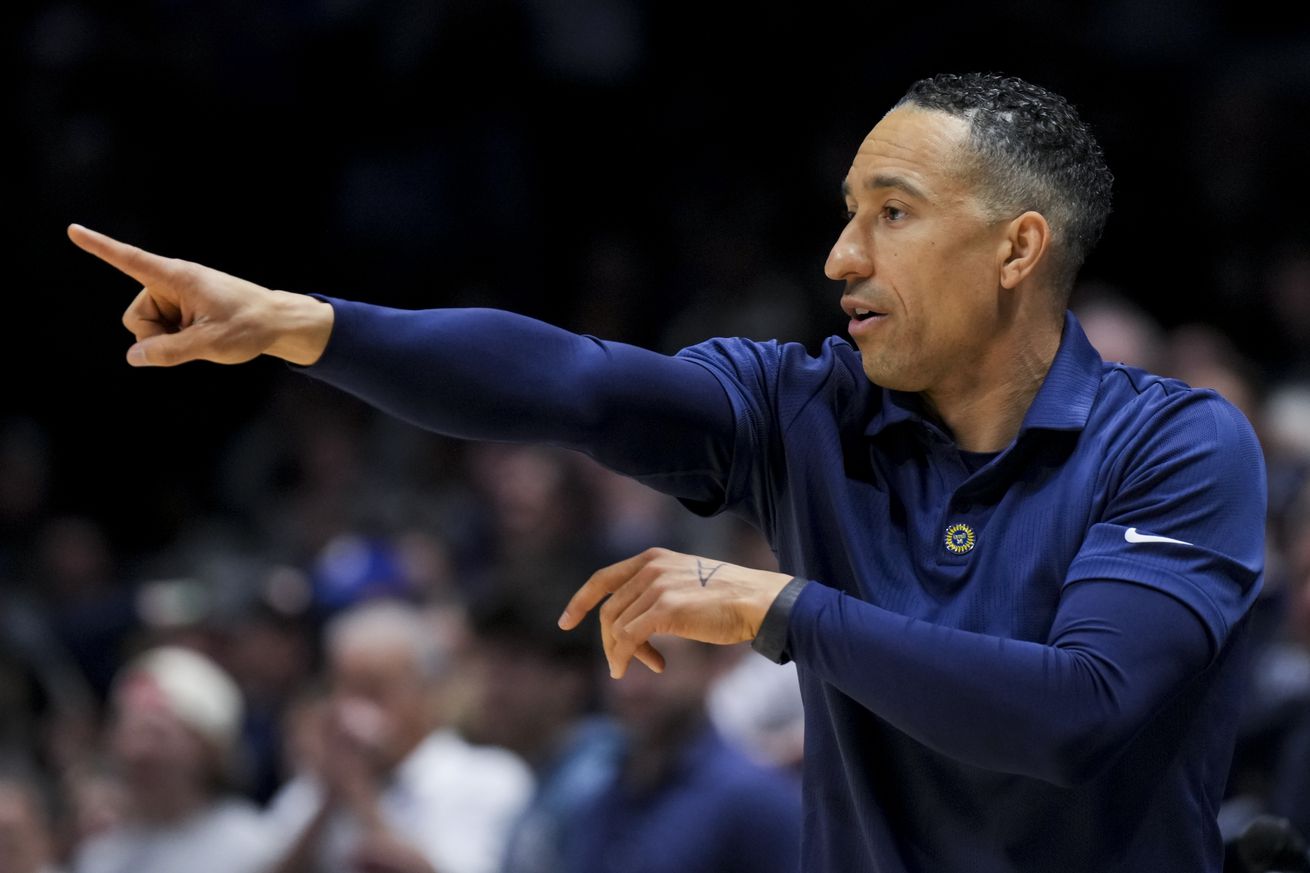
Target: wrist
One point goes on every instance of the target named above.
(301, 327)
(765, 598)
(771, 638)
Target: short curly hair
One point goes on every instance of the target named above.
(1029, 150)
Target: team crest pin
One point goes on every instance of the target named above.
(959, 539)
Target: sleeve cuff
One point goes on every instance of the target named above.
(310, 369)
(771, 641)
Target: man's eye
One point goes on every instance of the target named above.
(893, 213)
(847, 215)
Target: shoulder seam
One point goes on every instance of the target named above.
(830, 342)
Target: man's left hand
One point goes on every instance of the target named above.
(664, 592)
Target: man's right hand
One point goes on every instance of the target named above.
(189, 312)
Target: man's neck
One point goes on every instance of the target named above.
(984, 407)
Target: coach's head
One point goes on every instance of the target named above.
(971, 206)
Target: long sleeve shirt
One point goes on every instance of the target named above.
(1027, 666)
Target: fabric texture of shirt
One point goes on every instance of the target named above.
(1028, 666)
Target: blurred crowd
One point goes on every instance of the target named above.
(353, 663)
(356, 666)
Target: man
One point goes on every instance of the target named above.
(1015, 577)
(392, 790)
(683, 799)
(536, 693)
(173, 738)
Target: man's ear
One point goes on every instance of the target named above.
(1027, 238)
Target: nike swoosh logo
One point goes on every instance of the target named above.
(1134, 537)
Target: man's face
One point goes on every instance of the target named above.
(918, 252)
(150, 743)
(379, 693)
(525, 697)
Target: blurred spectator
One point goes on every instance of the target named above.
(427, 565)
(1271, 764)
(1289, 794)
(270, 649)
(26, 836)
(1118, 329)
(95, 803)
(91, 612)
(45, 705)
(175, 722)
(352, 568)
(387, 787)
(538, 690)
(630, 516)
(754, 703)
(24, 490)
(1288, 294)
(756, 706)
(1284, 429)
(683, 801)
(1204, 357)
(541, 524)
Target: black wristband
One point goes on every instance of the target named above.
(771, 641)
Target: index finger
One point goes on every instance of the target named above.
(602, 583)
(140, 264)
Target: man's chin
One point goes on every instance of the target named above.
(891, 378)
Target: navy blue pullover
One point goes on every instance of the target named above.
(1028, 665)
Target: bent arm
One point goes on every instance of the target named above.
(488, 374)
(1059, 710)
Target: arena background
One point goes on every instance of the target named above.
(656, 172)
(609, 166)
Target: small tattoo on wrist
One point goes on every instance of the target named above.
(704, 573)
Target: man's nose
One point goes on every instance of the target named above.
(849, 258)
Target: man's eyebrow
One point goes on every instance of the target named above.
(882, 180)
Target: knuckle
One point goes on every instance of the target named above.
(674, 601)
(179, 270)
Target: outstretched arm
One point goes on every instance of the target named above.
(488, 374)
(475, 373)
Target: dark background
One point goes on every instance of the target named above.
(648, 171)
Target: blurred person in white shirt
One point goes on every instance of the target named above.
(172, 741)
(389, 787)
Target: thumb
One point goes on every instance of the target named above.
(163, 350)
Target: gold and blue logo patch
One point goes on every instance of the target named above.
(959, 539)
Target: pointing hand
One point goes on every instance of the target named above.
(189, 312)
